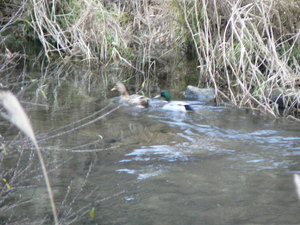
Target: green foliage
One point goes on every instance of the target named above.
(7, 185)
(124, 18)
(100, 16)
(4, 149)
(92, 214)
(177, 9)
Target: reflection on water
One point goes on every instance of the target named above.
(147, 166)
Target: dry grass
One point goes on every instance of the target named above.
(246, 49)
(139, 35)
(101, 29)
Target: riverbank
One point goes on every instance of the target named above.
(246, 50)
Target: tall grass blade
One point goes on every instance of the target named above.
(17, 116)
(297, 184)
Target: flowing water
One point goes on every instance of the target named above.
(216, 165)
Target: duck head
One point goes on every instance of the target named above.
(121, 88)
(166, 95)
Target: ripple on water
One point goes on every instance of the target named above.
(169, 153)
(250, 147)
(150, 161)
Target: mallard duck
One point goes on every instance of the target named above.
(179, 106)
(134, 100)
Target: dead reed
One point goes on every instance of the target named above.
(16, 115)
(247, 50)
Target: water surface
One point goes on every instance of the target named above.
(216, 165)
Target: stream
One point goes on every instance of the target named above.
(216, 165)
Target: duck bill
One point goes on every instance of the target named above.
(157, 96)
(113, 89)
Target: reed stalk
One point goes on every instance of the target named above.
(17, 116)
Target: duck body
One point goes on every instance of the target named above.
(133, 100)
(178, 106)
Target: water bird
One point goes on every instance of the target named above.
(179, 106)
(133, 100)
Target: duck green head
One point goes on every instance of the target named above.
(166, 95)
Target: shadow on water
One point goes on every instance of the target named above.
(216, 165)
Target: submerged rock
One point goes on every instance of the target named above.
(201, 94)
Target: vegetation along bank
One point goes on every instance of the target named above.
(249, 51)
